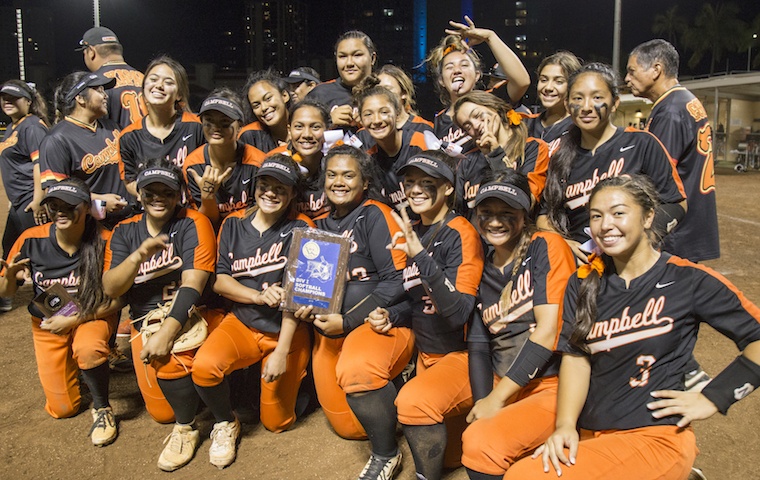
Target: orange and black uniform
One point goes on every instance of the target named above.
(237, 192)
(492, 445)
(680, 121)
(441, 283)
(249, 333)
(552, 134)
(61, 357)
(628, 151)
(414, 123)
(191, 246)
(74, 149)
(19, 151)
(477, 167)
(256, 135)
(333, 93)
(360, 359)
(640, 342)
(137, 144)
(125, 102)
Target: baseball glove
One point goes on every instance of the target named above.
(190, 337)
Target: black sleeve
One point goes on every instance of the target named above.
(478, 346)
(454, 306)
(400, 314)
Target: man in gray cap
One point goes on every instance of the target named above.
(103, 54)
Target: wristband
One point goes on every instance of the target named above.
(184, 300)
(531, 360)
(735, 382)
(667, 217)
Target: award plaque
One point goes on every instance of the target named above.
(316, 271)
(56, 301)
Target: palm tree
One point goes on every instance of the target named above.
(715, 32)
(669, 24)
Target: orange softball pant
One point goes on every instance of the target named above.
(60, 357)
(360, 362)
(492, 445)
(439, 392)
(647, 453)
(233, 346)
(169, 367)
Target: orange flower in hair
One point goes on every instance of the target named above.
(595, 264)
(514, 118)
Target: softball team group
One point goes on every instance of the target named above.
(508, 300)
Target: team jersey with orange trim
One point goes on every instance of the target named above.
(73, 149)
(312, 200)
(680, 121)
(414, 123)
(627, 151)
(19, 150)
(551, 134)
(237, 192)
(540, 280)
(256, 260)
(374, 272)
(412, 143)
(478, 167)
(125, 102)
(332, 94)
(255, 135)
(645, 333)
(441, 283)
(446, 130)
(191, 246)
(48, 262)
(137, 144)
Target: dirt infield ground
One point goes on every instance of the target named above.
(33, 445)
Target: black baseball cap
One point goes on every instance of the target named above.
(15, 91)
(89, 80)
(223, 105)
(97, 36)
(71, 194)
(298, 75)
(279, 170)
(430, 165)
(158, 175)
(510, 194)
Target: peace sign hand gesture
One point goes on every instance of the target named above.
(470, 32)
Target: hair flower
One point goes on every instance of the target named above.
(514, 118)
(595, 264)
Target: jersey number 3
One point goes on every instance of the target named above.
(645, 362)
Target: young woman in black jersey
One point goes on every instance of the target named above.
(553, 74)
(165, 254)
(594, 149)
(397, 81)
(219, 173)
(444, 267)
(513, 370)
(253, 248)
(19, 151)
(68, 252)
(458, 69)
(631, 318)
(378, 112)
(83, 144)
(169, 130)
(267, 107)
(355, 55)
(308, 124)
(501, 138)
(353, 365)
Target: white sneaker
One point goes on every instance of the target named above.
(103, 431)
(696, 474)
(180, 448)
(378, 468)
(224, 438)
